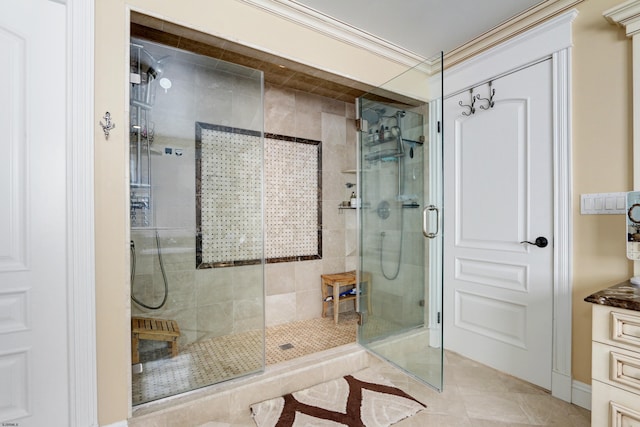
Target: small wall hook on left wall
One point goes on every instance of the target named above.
(108, 125)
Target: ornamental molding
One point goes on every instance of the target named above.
(626, 15)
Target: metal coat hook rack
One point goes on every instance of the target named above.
(472, 108)
(490, 101)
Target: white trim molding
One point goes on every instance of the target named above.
(520, 51)
(581, 395)
(525, 21)
(345, 33)
(323, 24)
(627, 15)
(552, 39)
(562, 224)
(80, 215)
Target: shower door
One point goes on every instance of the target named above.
(400, 242)
(196, 190)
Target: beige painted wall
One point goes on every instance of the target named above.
(601, 163)
(601, 149)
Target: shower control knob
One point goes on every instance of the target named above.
(540, 242)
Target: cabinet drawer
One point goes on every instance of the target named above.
(616, 366)
(613, 407)
(616, 326)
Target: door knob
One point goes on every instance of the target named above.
(540, 242)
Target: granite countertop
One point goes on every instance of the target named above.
(623, 295)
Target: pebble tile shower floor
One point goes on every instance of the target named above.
(206, 362)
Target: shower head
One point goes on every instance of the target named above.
(397, 133)
(373, 115)
(155, 66)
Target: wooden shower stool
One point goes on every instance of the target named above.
(143, 328)
(338, 280)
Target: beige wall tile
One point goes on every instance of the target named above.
(280, 308)
(309, 304)
(280, 278)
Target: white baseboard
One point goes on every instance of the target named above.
(561, 386)
(581, 394)
(118, 424)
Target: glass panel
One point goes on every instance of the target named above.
(194, 327)
(400, 183)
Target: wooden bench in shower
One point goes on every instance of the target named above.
(144, 328)
(335, 281)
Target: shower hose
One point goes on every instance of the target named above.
(164, 276)
(399, 251)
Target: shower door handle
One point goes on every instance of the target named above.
(424, 221)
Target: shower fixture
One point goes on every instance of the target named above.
(165, 84)
(146, 75)
(156, 67)
(397, 154)
(133, 258)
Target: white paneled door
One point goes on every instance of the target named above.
(34, 385)
(498, 292)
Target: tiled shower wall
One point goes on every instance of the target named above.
(219, 301)
(293, 288)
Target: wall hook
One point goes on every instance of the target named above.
(490, 101)
(471, 107)
(108, 125)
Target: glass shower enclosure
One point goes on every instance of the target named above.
(400, 222)
(197, 281)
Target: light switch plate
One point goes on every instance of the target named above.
(603, 203)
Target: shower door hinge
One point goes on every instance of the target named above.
(438, 318)
(438, 126)
(360, 125)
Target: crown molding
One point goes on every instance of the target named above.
(626, 15)
(309, 18)
(509, 29)
(302, 15)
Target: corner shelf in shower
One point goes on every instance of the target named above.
(365, 206)
(135, 185)
(354, 170)
(389, 154)
(373, 142)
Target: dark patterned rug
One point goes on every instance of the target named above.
(358, 400)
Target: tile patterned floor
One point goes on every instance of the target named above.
(309, 336)
(474, 396)
(210, 361)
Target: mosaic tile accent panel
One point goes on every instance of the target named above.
(292, 195)
(229, 163)
(228, 206)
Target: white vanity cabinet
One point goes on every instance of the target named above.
(615, 399)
